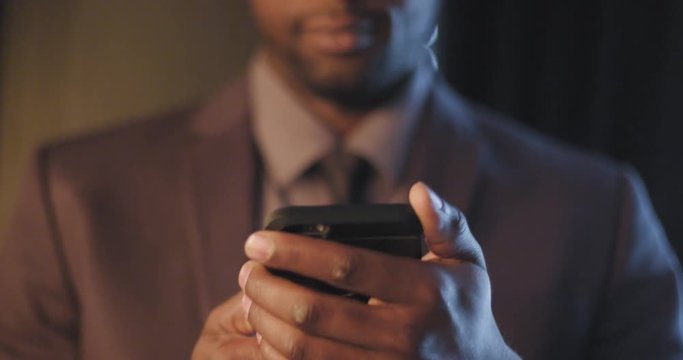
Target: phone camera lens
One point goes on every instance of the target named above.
(322, 229)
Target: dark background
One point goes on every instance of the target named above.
(604, 75)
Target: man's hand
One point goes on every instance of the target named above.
(435, 309)
(227, 334)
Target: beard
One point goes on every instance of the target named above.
(356, 83)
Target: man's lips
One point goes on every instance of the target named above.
(335, 34)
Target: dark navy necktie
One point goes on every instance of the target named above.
(347, 177)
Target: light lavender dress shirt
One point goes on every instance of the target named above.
(291, 139)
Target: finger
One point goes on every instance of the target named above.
(268, 352)
(358, 270)
(327, 316)
(235, 349)
(229, 319)
(292, 343)
(445, 227)
(227, 334)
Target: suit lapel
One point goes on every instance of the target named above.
(221, 169)
(446, 150)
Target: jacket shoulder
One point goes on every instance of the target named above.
(144, 141)
(516, 151)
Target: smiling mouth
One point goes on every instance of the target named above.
(340, 34)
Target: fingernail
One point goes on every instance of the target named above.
(259, 338)
(246, 305)
(244, 275)
(258, 248)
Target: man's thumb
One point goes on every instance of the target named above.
(445, 228)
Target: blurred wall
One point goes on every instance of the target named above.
(72, 66)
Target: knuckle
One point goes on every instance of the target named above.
(344, 267)
(306, 312)
(295, 348)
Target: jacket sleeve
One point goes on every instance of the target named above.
(641, 311)
(37, 304)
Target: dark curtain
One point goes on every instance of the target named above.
(603, 75)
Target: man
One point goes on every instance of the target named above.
(128, 244)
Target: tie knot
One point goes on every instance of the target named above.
(347, 176)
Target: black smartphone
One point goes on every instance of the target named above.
(388, 228)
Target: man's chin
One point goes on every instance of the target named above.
(352, 86)
(357, 82)
(359, 95)
(353, 98)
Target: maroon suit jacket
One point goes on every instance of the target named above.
(123, 241)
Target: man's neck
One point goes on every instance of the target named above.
(340, 119)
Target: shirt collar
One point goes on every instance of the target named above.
(291, 139)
